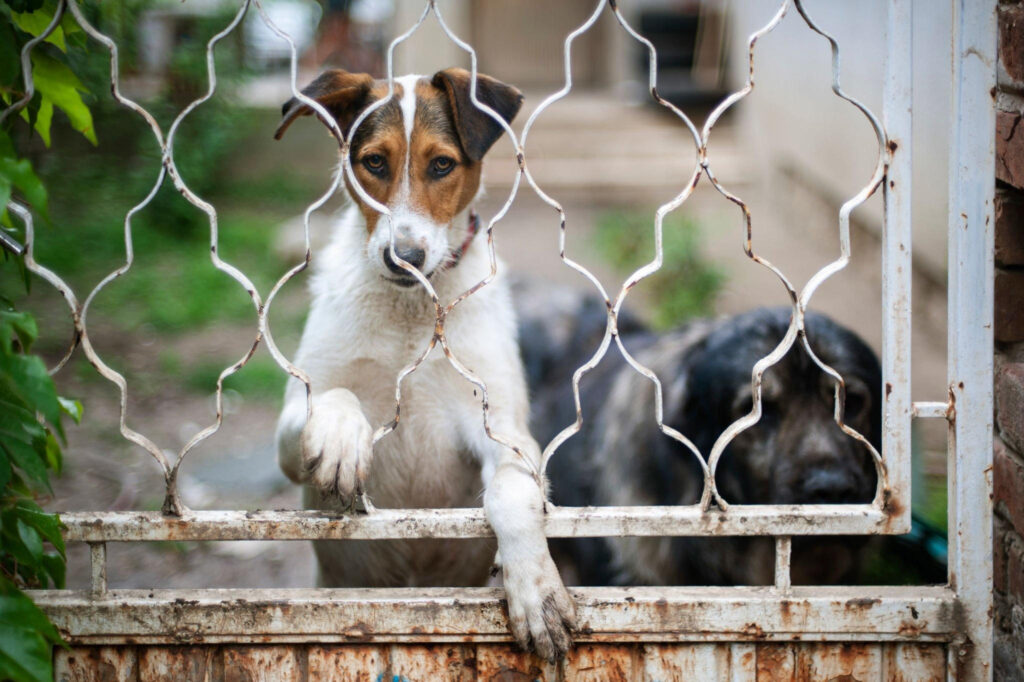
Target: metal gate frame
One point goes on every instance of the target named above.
(958, 614)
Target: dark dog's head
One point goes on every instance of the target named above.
(796, 453)
(419, 155)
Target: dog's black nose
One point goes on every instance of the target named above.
(829, 486)
(414, 256)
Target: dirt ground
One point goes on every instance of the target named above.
(593, 153)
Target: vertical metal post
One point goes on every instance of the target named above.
(897, 104)
(98, 561)
(783, 555)
(971, 189)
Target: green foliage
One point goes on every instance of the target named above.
(30, 428)
(31, 546)
(685, 286)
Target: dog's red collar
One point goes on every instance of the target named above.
(474, 227)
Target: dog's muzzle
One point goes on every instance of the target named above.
(413, 255)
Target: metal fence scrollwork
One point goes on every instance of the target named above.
(952, 617)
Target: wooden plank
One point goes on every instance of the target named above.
(684, 662)
(915, 663)
(95, 664)
(427, 663)
(504, 663)
(601, 663)
(776, 662)
(843, 661)
(348, 663)
(262, 664)
(178, 663)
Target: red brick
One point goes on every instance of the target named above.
(1008, 484)
(1011, 41)
(1009, 233)
(1015, 567)
(999, 533)
(1009, 399)
(1009, 305)
(1010, 148)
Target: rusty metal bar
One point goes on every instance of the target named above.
(932, 410)
(98, 564)
(740, 520)
(970, 347)
(897, 261)
(783, 555)
(916, 614)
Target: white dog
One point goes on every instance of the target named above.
(420, 155)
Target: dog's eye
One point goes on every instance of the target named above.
(375, 163)
(856, 403)
(441, 166)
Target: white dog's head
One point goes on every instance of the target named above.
(420, 155)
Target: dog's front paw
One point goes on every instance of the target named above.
(541, 613)
(337, 445)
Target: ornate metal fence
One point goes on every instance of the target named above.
(931, 632)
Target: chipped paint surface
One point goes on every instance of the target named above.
(619, 662)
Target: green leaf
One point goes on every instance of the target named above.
(57, 568)
(72, 408)
(30, 538)
(18, 173)
(48, 525)
(54, 460)
(26, 376)
(22, 325)
(14, 425)
(11, 542)
(10, 59)
(26, 639)
(6, 186)
(5, 469)
(34, 23)
(24, 656)
(57, 81)
(17, 609)
(28, 460)
(44, 117)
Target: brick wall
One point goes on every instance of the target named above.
(1009, 352)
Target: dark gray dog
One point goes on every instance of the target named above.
(796, 454)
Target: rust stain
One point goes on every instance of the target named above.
(912, 628)
(890, 505)
(359, 630)
(753, 630)
(861, 603)
(892, 146)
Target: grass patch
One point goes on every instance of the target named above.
(261, 379)
(686, 285)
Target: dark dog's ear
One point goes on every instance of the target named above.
(477, 130)
(341, 93)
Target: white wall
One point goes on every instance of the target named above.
(792, 98)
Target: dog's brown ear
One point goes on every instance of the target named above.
(477, 130)
(341, 93)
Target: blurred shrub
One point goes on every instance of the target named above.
(126, 162)
(686, 285)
